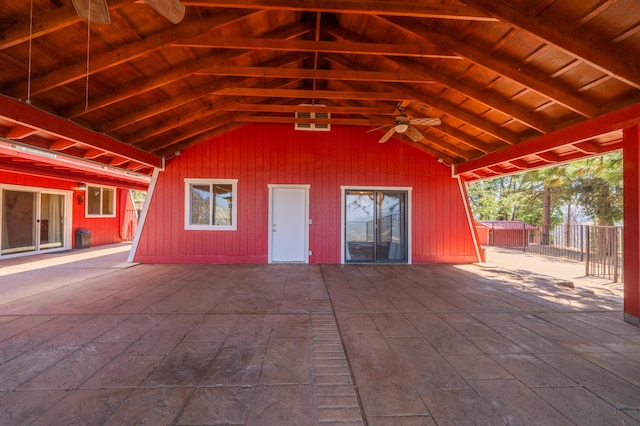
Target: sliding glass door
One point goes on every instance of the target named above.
(375, 226)
(32, 221)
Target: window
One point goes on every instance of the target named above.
(100, 201)
(210, 204)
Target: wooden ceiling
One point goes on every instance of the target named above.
(500, 75)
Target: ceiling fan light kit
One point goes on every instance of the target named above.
(405, 125)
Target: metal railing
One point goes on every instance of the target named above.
(600, 247)
(604, 252)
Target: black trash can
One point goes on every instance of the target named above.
(83, 238)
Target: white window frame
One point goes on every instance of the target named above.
(102, 188)
(187, 204)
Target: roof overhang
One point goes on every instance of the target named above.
(596, 136)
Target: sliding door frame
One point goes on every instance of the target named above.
(67, 219)
(343, 196)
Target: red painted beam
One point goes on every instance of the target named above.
(583, 131)
(41, 163)
(27, 115)
(631, 175)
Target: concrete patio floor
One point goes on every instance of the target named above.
(89, 339)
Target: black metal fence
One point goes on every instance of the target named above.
(604, 252)
(600, 247)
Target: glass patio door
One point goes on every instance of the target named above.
(31, 221)
(51, 221)
(375, 226)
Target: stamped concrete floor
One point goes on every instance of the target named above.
(94, 341)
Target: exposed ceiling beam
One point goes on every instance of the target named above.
(538, 83)
(192, 128)
(216, 130)
(68, 174)
(503, 105)
(318, 94)
(595, 53)
(24, 114)
(391, 8)
(180, 71)
(439, 144)
(191, 132)
(126, 52)
(349, 48)
(45, 23)
(198, 92)
(291, 109)
(20, 132)
(416, 93)
(583, 131)
(463, 137)
(320, 74)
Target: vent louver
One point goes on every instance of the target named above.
(313, 126)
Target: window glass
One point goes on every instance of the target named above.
(93, 200)
(210, 204)
(108, 197)
(200, 204)
(223, 202)
(100, 201)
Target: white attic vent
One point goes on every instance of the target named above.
(313, 126)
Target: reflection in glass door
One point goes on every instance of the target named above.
(51, 221)
(376, 226)
(31, 221)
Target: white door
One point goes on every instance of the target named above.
(289, 223)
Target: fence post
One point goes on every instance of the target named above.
(587, 250)
(524, 236)
(581, 242)
(615, 254)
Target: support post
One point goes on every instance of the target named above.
(587, 250)
(631, 237)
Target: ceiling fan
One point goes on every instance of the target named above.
(98, 11)
(404, 124)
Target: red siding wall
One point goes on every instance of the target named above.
(262, 154)
(103, 230)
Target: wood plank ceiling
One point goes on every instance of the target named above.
(496, 73)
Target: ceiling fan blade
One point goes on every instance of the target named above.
(173, 10)
(378, 128)
(426, 121)
(414, 134)
(95, 10)
(387, 135)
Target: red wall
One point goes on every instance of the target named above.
(262, 154)
(103, 230)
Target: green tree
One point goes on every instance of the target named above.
(599, 189)
(546, 197)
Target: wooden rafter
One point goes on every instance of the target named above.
(493, 101)
(46, 22)
(311, 46)
(391, 8)
(179, 72)
(530, 79)
(577, 133)
(595, 53)
(126, 52)
(404, 77)
(18, 112)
